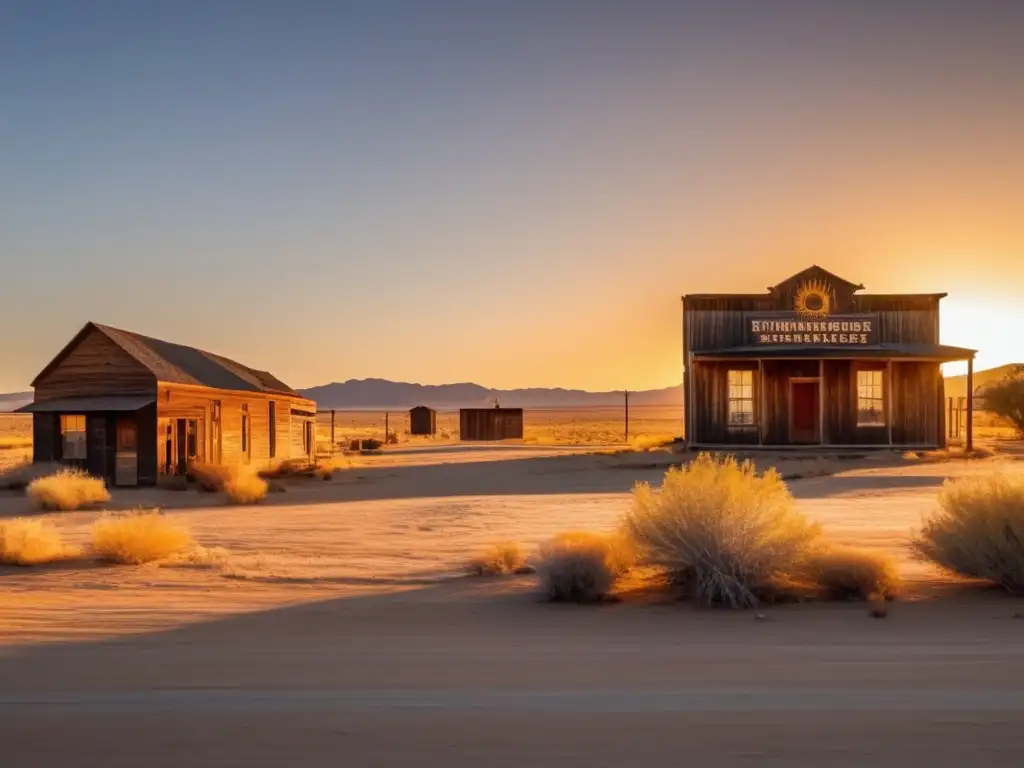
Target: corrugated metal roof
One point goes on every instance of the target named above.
(938, 352)
(89, 404)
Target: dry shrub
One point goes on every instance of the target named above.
(67, 490)
(137, 538)
(502, 558)
(582, 567)
(210, 477)
(979, 530)
(30, 542)
(845, 573)
(911, 456)
(245, 488)
(726, 533)
(18, 477)
(288, 468)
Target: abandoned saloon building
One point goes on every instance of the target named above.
(814, 362)
(130, 408)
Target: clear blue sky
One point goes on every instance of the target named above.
(514, 193)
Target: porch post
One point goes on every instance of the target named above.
(888, 400)
(821, 401)
(760, 401)
(970, 405)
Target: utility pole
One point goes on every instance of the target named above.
(626, 393)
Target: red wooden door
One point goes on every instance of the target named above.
(805, 412)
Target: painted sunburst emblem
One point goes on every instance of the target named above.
(813, 299)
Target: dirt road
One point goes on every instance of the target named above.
(471, 673)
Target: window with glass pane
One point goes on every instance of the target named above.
(741, 398)
(870, 399)
(72, 434)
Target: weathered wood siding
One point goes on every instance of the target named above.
(45, 437)
(491, 424)
(840, 403)
(778, 375)
(916, 404)
(95, 367)
(710, 423)
(177, 401)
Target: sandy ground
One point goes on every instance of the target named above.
(334, 633)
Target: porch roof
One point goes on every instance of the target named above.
(89, 404)
(937, 352)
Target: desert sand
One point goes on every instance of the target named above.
(336, 629)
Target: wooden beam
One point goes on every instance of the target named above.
(760, 402)
(970, 406)
(821, 401)
(888, 401)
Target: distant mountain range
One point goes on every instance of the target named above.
(378, 394)
(14, 400)
(956, 386)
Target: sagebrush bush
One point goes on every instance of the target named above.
(1005, 398)
(67, 490)
(844, 573)
(582, 567)
(245, 488)
(979, 529)
(25, 541)
(722, 530)
(502, 558)
(138, 538)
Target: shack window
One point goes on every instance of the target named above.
(272, 415)
(870, 399)
(245, 431)
(741, 398)
(72, 433)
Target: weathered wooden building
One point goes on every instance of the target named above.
(491, 424)
(130, 408)
(422, 420)
(815, 362)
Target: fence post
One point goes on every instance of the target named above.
(385, 427)
(626, 393)
(332, 431)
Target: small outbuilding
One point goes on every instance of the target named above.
(130, 408)
(491, 424)
(422, 421)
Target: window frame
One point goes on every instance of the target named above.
(81, 441)
(747, 394)
(876, 396)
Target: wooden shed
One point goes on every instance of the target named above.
(814, 362)
(131, 408)
(491, 424)
(422, 421)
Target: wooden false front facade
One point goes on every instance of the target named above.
(814, 363)
(130, 409)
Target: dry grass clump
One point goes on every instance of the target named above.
(245, 488)
(18, 477)
(138, 538)
(582, 567)
(979, 530)
(844, 573)
(66, 490)
(721, 530)
(502, 558)
(25, 541)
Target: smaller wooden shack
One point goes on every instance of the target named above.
(491, 424)
(422, 421)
